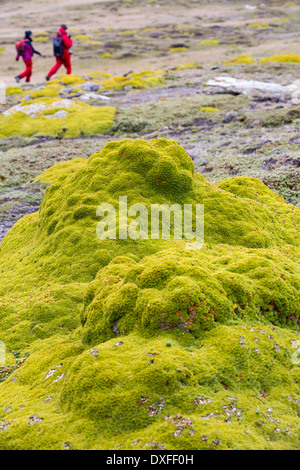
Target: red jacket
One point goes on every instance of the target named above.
(67, 41)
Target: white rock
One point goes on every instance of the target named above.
(93, 96)
(58, 115)
(245, 86)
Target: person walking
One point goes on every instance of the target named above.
(26, 50)
(62, 43)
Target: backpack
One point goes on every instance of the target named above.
(20, 47)
(57, 46)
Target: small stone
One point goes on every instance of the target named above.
(88, 86)
(202, 401)
(230, 116)
(134, 443)
(94, 352)
(255, 123)
(35, 419)
(58, 378)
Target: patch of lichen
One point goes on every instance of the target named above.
(126, 335)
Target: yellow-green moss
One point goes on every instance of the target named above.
(289, 58)
(189, 65)
(209, 42)
(241, 59)
(178, 49)
(106, 56)
(42, 37)
(193, 291)
(143, 79)
(209, 109)
(70, 79)
(51, 90)
(100, 75)
(13, 90)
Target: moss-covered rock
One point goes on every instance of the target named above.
(142, 340)
(55, 117)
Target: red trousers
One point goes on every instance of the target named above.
(64, 60)
(28, 71)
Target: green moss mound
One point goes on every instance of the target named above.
(192, 290)
(144, 343)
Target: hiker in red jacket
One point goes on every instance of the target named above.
(26, 50)
(62, 44)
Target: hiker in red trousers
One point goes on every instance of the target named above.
(62, 43)
(26, 50)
